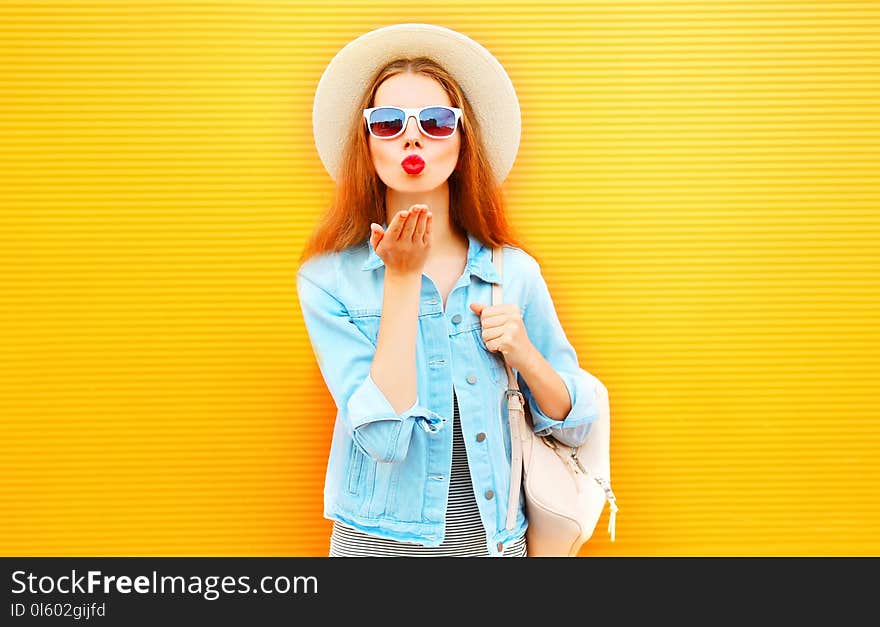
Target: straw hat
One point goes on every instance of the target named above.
(484, 81)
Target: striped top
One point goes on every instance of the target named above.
(465, 536)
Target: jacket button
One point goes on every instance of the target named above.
(489, 494)
(456, 318)
(500, 546)
(432, 301)
(472, 378)
(481, 436)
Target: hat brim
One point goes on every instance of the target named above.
(483, 80)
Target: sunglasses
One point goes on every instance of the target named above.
(437, 121)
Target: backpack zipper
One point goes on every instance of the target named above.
(612, 504)
(574, 456)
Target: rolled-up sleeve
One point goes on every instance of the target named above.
(546, 333)
(344, 355)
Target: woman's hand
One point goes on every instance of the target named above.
(404, 246)
(504, 331)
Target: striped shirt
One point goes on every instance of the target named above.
(465, 536)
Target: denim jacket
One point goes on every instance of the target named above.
(387, 472)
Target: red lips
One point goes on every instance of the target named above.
(413, 164)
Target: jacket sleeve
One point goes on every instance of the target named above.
(344, 356)
(546, 333)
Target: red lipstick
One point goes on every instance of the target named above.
(413, 164)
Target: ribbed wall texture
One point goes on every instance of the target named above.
(698, 179)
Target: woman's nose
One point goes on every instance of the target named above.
(412, 133)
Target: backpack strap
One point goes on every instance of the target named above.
(515, 410)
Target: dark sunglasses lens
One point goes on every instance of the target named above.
(386, 122)
(438, 121)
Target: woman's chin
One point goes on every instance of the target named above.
(410, 183)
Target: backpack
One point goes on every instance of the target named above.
(565, 487)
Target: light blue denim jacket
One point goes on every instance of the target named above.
(388, 473)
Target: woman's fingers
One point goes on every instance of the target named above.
(376, 235)
(419, 231)
(429, 221)
(410, 226)
(396, 225)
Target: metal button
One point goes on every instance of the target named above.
(489, 494)
(472, 378)
(500, 546)
(432, 301)
(481, 436)
(456, 318)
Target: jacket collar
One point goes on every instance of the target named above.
(479, 260)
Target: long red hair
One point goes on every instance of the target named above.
(476, 202)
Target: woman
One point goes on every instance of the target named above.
(394, 286)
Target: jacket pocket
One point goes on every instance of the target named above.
(494, 360)
(367, 321)
(355, 469)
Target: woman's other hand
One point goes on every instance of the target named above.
(504, 332)
(404, 246)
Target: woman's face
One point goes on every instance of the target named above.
(439, 155)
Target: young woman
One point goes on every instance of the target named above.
(419, 125)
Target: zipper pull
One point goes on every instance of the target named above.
(611, 520)
(574, 456)
(612, 504)
(570, 461)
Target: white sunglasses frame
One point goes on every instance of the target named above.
(409, 113)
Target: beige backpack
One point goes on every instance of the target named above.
(565, 487)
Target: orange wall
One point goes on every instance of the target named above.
(699, 179)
